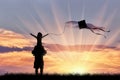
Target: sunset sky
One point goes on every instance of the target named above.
(75, 51)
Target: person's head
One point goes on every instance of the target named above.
(39, 35)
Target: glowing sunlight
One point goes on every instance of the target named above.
(73, 51)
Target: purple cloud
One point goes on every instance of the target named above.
(4, 49)
(59, 48)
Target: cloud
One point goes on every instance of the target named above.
(17, 56)
(118, 41)
(4, 49)
(11, 39)
(2, 72)
(77, 48)
(61, 48)
(58, 47)
(63, 62)
(16, 62)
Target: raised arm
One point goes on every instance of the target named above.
(33, 35)
(45, 35)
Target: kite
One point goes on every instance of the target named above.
(83, 25)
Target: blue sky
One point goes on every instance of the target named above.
(25, 16)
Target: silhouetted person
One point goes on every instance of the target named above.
(38, 53)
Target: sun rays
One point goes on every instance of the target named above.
(82, 62)
(67, 61)
(75, 51)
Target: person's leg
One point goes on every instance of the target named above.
(36, 71)
(41, 68)
(41, 71)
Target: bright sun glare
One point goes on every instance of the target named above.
(78, 70)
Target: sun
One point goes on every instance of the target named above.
(78, 70)
(75, 63)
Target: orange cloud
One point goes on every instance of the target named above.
(63, 62)
(59, 58)
(60, 48)
(16, 61)
(11, 39)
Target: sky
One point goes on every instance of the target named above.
(75, 51)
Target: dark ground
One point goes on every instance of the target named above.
(60, 77)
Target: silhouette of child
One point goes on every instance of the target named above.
(38, 53)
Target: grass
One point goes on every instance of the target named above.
(60, 77)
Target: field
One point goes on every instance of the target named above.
(60, 77)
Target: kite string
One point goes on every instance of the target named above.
(59, 33)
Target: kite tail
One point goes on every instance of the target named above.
(107, 31)
(98, 33)
(103, 29)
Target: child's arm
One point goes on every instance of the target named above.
(33, 35)
(44, 35)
